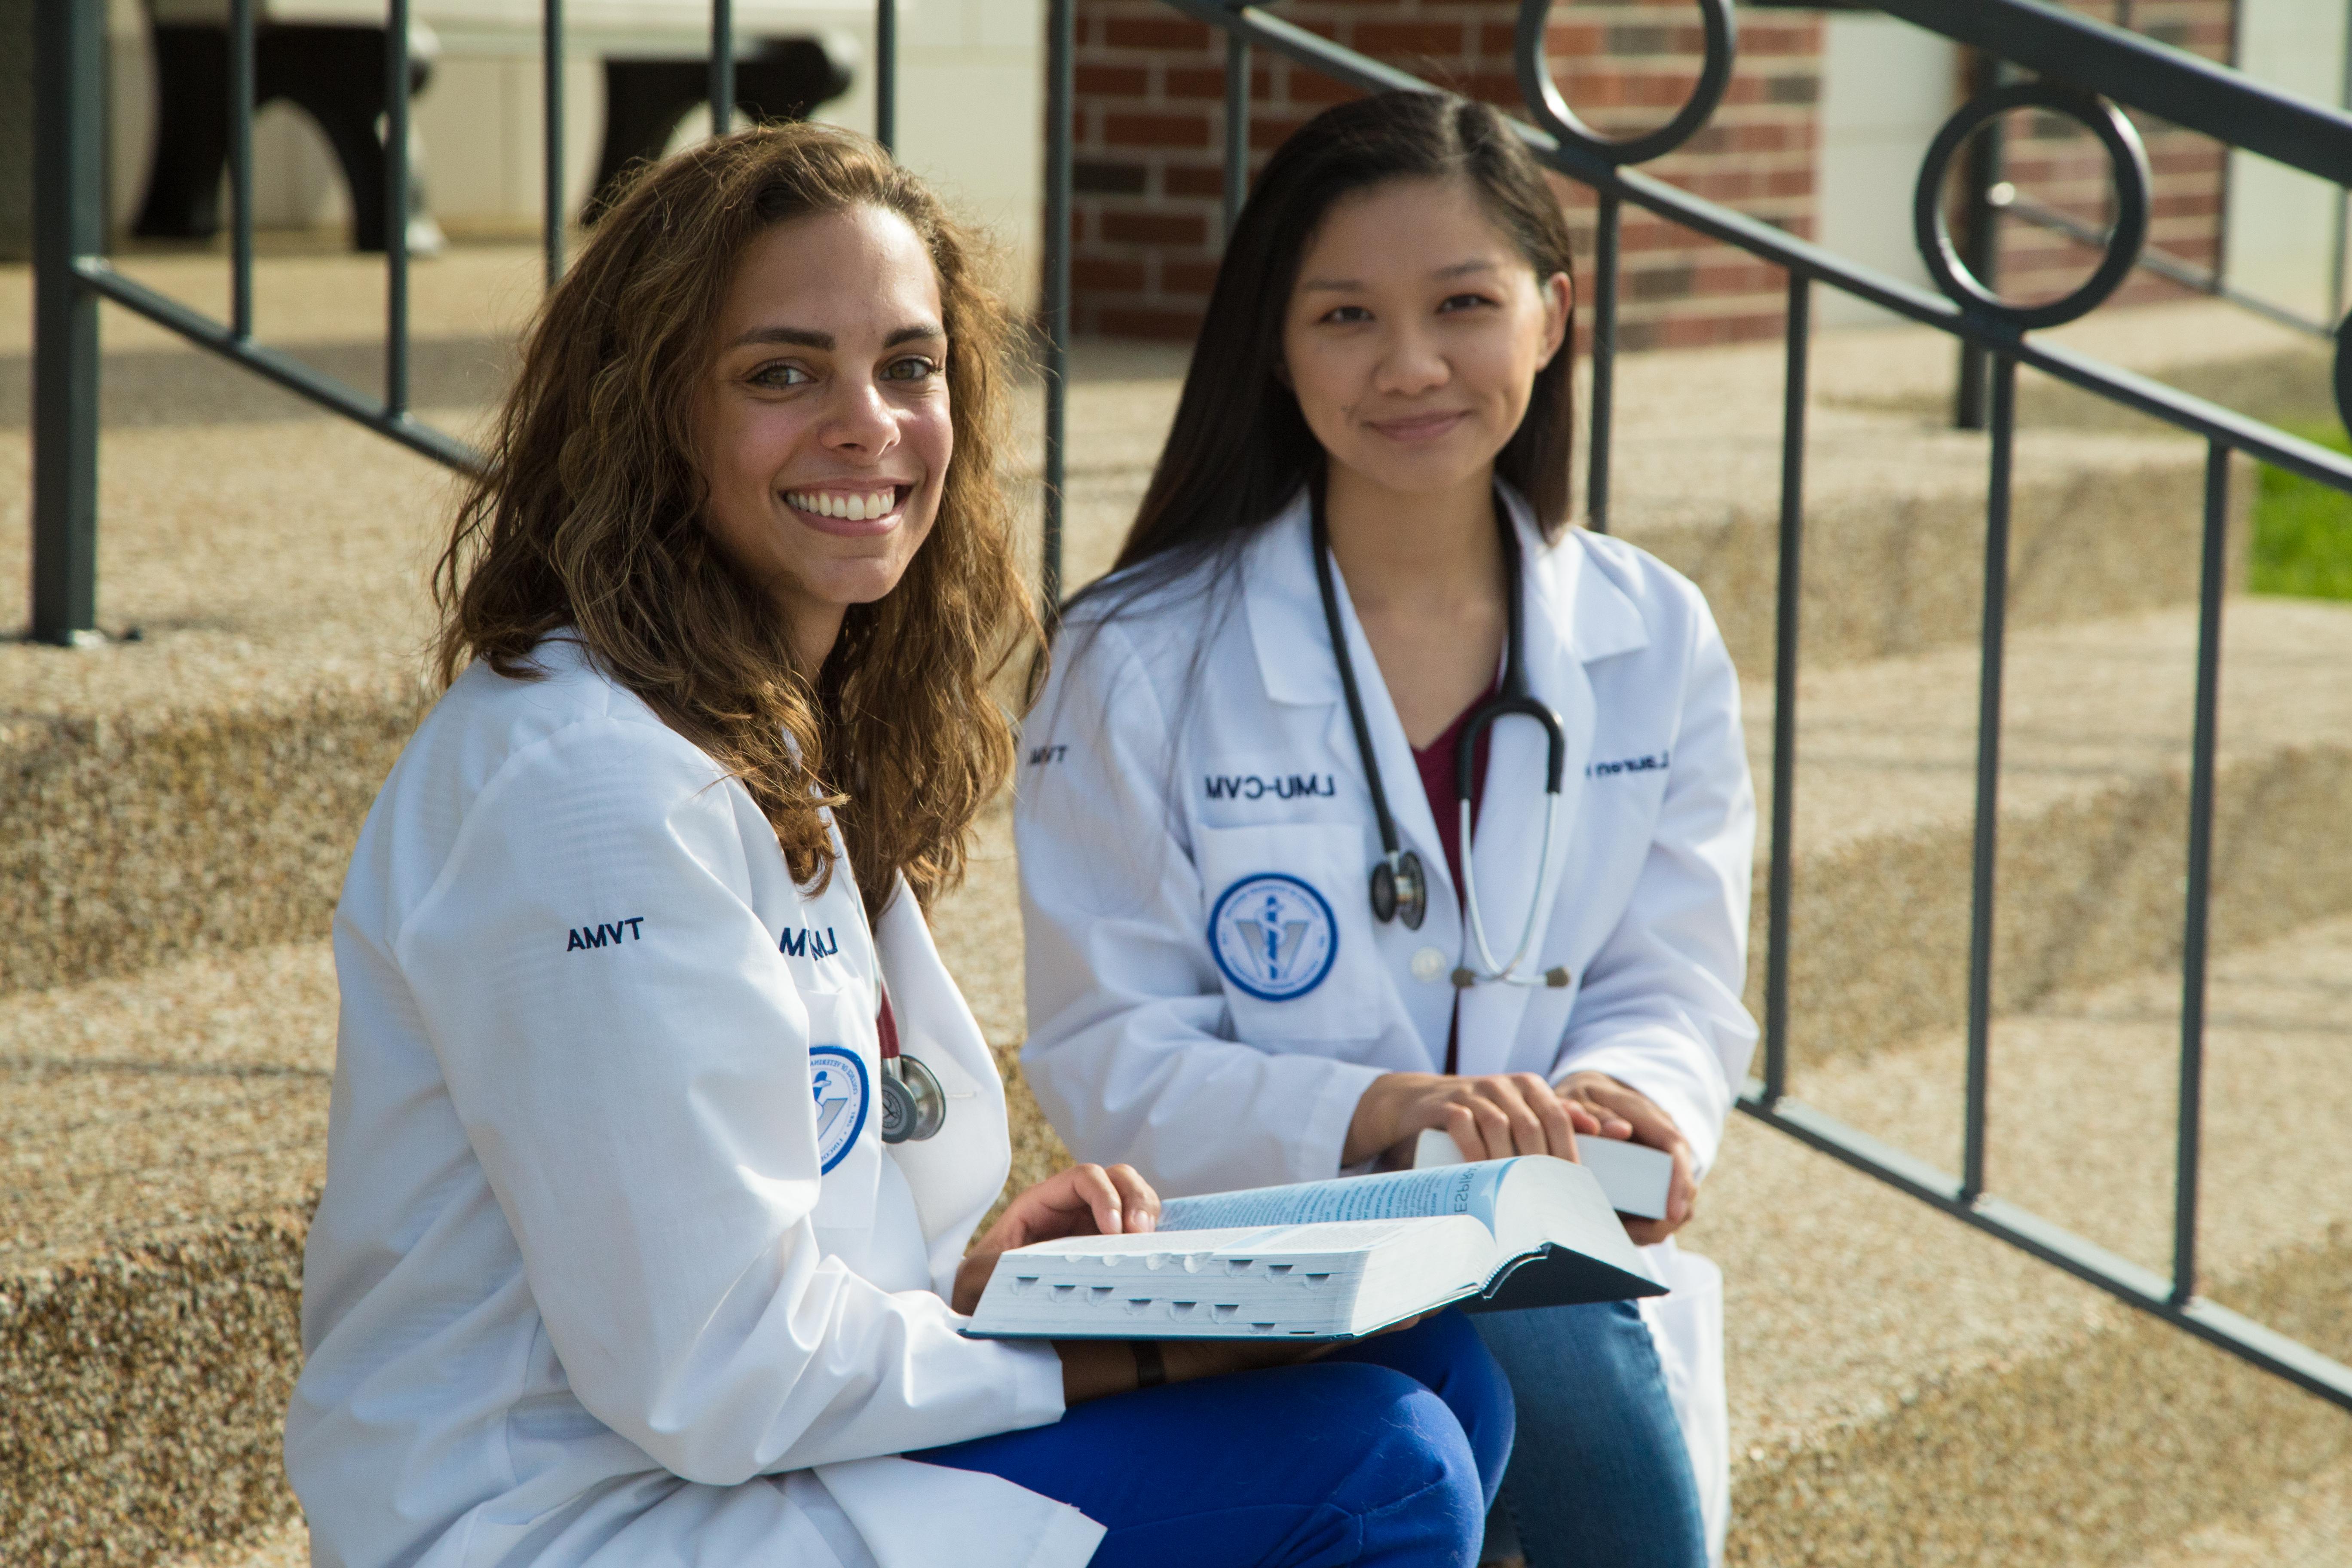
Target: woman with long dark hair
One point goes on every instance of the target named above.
(659, 1130)
(1369, 798)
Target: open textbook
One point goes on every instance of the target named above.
(1635, 1177)
(1327, 1259)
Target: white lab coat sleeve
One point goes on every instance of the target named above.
(643, 1111)
(1130, 1049)
(1660, 1006)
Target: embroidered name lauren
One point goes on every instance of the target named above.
(1656, 761)
(1249, 787)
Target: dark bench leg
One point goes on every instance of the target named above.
(335, 75)
(183, 198)
(644, 100)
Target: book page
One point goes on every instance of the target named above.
(1331, 1236)
(1397, 1194)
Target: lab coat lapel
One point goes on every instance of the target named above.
(1573, 616)
(1286, 619)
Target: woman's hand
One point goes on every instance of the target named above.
(1085, 1200)
(1491, 1118)
(1620, 1105)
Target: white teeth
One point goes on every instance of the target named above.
(852, 508)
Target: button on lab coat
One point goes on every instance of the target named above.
(1198, 742)
(612, 1265)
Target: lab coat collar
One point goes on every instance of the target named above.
(1285, 609)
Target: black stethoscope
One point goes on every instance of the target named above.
(1400, 888)
(914, 1106)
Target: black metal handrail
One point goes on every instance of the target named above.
(2085, 67)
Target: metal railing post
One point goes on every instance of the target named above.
(68, 223)
(395, 211)
(1979, 241)
(551, 61)
(240, 166)
(2214, 575)
(1061, 55)
(1987, 823)
(1238, 130)
(1789, 594)
(886, 74)
(1606, 220)
(722, 67)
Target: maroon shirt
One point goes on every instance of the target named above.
(1437, 762)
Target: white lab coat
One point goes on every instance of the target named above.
(611, 1266)
(1195, 749)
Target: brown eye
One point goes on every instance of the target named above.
(779, 374)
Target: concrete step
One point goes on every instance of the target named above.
(2094, 812)
(1905, 1389)
(165, 1136)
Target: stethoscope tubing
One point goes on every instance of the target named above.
(1514, 700)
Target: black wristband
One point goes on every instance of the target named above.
(1151, 1365)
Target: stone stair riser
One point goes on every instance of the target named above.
(145, 1394)
(125, 845)
(2086, 892)
(1887, 575)
(2091, 1454)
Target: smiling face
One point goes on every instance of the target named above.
(1414, 336)
(823, 432)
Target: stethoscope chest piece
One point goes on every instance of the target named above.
(1400, 892)
(914, 1107)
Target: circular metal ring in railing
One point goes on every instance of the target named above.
(1550, 110)
(2126, 157)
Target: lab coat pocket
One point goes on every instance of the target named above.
(1289, 930)
(1687, 1325)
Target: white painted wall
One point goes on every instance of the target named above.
(2281, 244)
(1886, 87)
(971, 114)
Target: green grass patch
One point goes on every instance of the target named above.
(2303, 530)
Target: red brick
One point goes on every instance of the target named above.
(1156, 130)
(1154, 228)
(1112, 81)
(1154, 33)
(1099, 274)
(1389, 39)
(1187, 180)
(1176, 326)
(1194, 278)
(1194, 81)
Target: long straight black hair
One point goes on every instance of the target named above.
(1239, 448)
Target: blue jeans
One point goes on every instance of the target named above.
(1385, 1454)
(1598, 1474)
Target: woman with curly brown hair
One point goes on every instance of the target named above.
(659, 1130)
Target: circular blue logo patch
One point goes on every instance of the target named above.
(1273, 936)
(838, 1076)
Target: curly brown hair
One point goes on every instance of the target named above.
(588, 518)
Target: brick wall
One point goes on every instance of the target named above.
(1150, 148)
(1149, 152)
